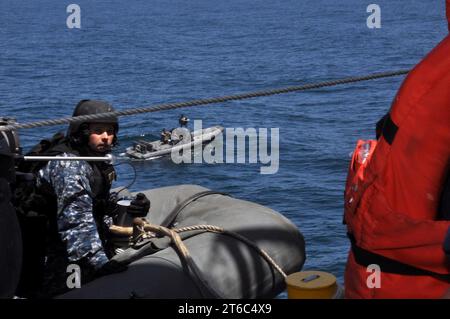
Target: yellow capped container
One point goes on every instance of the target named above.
(311, 285)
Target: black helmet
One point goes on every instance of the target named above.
(77, 130)
(183, 120)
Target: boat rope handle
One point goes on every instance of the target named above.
(205, 101)
(220, 230)
(143, 230)
(141, 227)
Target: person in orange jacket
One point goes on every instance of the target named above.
(392, 198)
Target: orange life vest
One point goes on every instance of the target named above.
(392, 197)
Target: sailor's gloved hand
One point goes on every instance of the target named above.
(139, 206)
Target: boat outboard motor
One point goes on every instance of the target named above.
(10, 234)
(183, 120)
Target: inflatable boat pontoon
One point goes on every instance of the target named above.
(229, 268)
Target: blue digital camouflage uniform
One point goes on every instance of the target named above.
(75, 220)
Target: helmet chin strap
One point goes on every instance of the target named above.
(100, 153)
(87, 150)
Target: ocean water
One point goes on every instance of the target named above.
(144, 52)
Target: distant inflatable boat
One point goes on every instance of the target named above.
(229, 268)
(180, 138)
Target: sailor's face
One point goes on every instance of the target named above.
(101, 137)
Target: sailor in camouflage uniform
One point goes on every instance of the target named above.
(78, 223)
(81, 192)
(75, 216)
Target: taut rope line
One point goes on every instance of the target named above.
(206, 101)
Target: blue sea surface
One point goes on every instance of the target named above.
(144, 52)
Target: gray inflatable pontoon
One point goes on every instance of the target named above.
(231, 268)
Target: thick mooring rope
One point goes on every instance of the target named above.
(206, 101)
(220, 230)
(144, 229)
